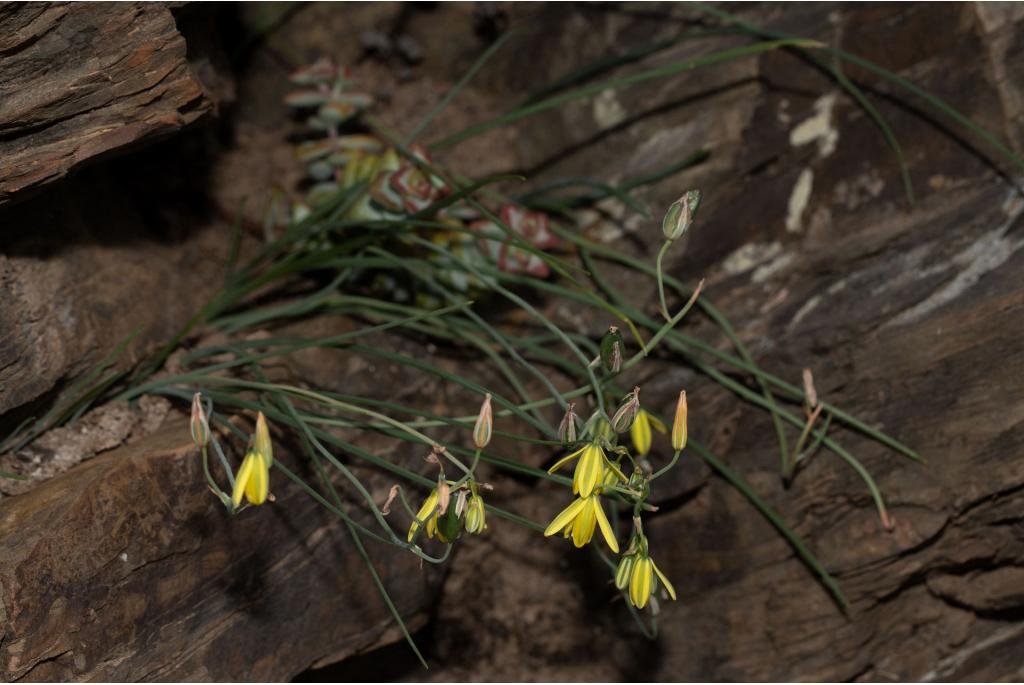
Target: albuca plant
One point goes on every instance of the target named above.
(392, 239)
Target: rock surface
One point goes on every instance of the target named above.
(131, 570)
(909, 317)
(115, 74)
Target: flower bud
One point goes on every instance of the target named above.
(475, 515)
(626, 414)
(567, 429)
(679, 423)
(199, 424)
(611, 350)
(484, 424)
(261, 441)
(624, 571)
(680, 215)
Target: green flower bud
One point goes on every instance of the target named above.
(611, 350)
(476, 515)
(680, 215)
(624, 571)
(567, 429)
(626, 414)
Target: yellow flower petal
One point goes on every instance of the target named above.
(583, 526)
(640, 583)
(606, 528)
(241, 480)
(257, 488)
(566, 516)
(614, 470)
(566, 459)
(640, 431)
(421, 515)
(664, 580)
(657, 424)
(261, 444)
(588, 470)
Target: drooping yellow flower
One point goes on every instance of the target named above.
(579, 520)
(641, 431)
(589, 469)
(428, 515)
(641, 581)
(253, 480)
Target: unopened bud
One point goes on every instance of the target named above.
(199, 424)
(261, 442)
(567, 429)
(484, 424)
(611, 350)
(476, 515)
(679, 423)
(626, 414)
(624, 571)
(680, 215)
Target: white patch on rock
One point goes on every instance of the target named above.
(749, 256)
(805, 310)
(984, 255)
(818, 127)
(608, 111)
(798, 201)
(766, 271)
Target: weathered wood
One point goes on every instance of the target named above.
(129, 569)
(79, 80)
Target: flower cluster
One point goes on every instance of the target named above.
(598, 475)
(441, 518)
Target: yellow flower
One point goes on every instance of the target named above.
(253, 480)
(589, 469)
(428, 515)
(642, 584)
(579, 520)
(641, 431)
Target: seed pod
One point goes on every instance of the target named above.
(484, 424)
(680, 215)
(449, 526)
(199, 424)
(624, 571)
(611, 350)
